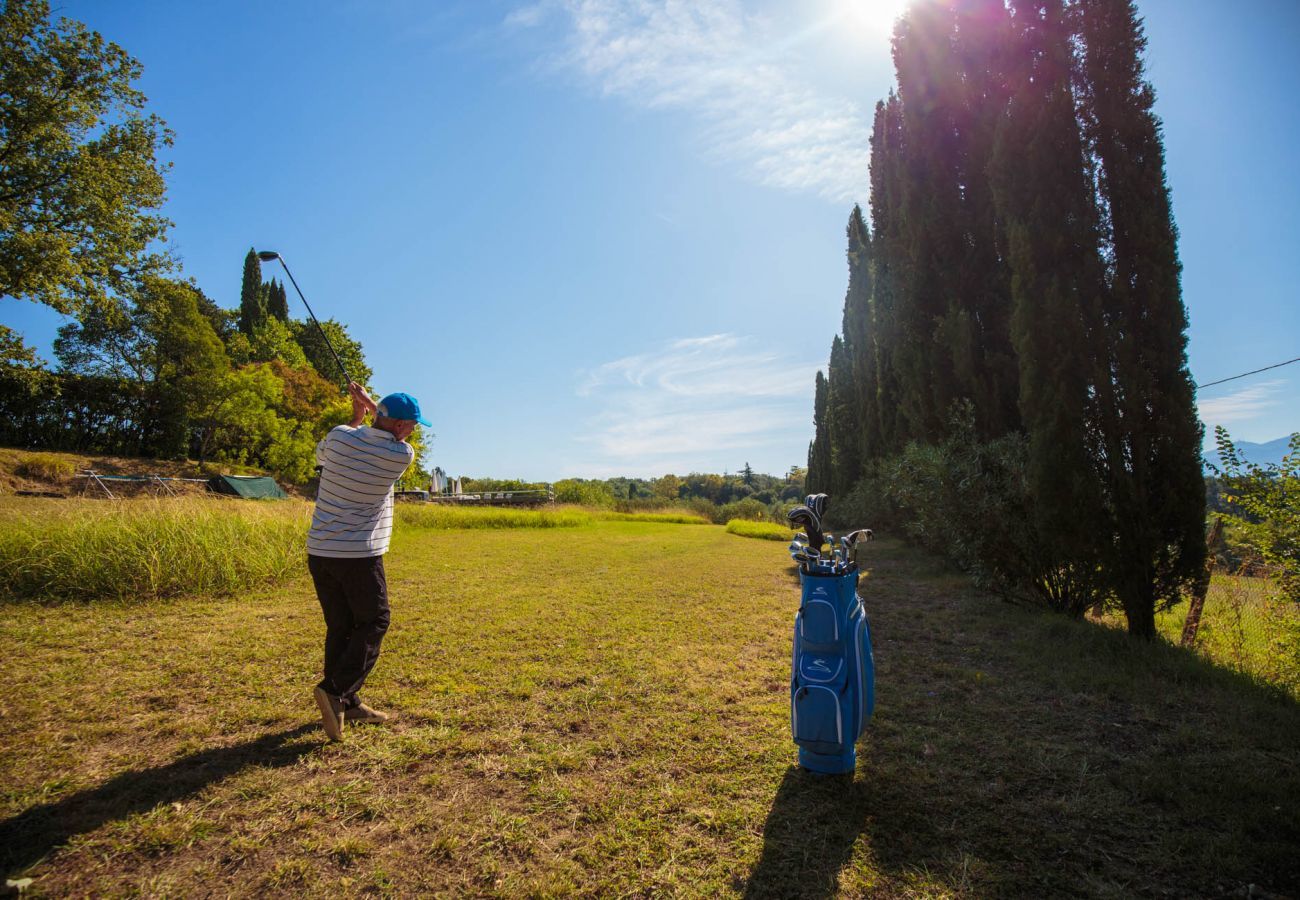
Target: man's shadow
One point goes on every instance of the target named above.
(31, 835)
(809, 835)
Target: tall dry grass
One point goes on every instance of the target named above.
(434, 515)
(146, 549)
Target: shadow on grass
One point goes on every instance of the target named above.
(809, 835)
(31, 835)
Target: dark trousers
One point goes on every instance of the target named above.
(353, 595)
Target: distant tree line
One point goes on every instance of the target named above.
(743, 495)
(1010, 380)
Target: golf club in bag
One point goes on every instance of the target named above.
(832, 679)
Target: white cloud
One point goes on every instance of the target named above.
(694, 404)
(727, 69)
(1243, 405)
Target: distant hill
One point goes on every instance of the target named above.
(1270, 453)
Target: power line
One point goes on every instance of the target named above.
(1244, 374)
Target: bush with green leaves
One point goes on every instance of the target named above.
(1269, 498)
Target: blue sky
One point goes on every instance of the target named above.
(599, 238)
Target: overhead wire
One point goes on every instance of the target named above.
(1244, 374)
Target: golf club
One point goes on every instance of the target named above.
(271, 255)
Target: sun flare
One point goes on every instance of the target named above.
(869, 18)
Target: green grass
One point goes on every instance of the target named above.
(433, 515)
(768, 531)
(663, 518)
(145, 549)
(603, 711)
(1241, 628)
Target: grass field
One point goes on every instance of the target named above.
(1241, 628)
(602, 711)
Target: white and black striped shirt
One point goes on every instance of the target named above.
(354, 503)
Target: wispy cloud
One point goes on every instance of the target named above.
(1242, 405)
(694, 404)
(727, 69)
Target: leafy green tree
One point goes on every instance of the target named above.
(318, 353)
(252, 298)
(1269, 524)
(272, 339)
(162, 343)
(24, 380)
(747, 475)
(80, 179)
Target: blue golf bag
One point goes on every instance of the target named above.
(832, 685)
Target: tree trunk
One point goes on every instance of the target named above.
(1197, 603)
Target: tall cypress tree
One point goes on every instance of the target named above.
(1056, 282)
(277, 302)
(859, 342)
(1151, 437)
(887, 150)
(252, 308)
(842, 425)
(819, 451)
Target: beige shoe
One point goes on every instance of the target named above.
(331, 714)
(362, 714)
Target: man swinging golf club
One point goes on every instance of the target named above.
(347, 542)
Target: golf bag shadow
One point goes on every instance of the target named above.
(832, 685)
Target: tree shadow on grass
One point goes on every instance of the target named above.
(809, 835)
(30, 836)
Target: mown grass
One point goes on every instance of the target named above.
(768, 531)
(146, 549)
(603, 712)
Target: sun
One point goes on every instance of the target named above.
(869, 18)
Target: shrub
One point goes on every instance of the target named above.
(768, 531)
(748, 508)
(584, 493)
(45, 467)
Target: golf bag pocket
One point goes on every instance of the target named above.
(817, 718)
(819, 624)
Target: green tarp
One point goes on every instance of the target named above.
(250, 487)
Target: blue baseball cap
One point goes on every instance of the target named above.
(402, 406)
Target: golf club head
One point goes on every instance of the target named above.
(811, 522)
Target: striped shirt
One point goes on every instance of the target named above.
(354, 503)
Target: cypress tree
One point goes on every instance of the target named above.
(252, 308)
(886, 189)
(1151, 438)
(842, 426)
(859, 341)
(277, 302)
(1056, 280)
(819, 455)
(952, 303)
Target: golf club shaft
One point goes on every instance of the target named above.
(333, 352)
